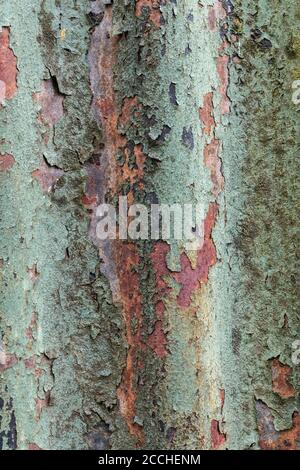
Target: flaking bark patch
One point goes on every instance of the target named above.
(7, 161)
(152, 7)
(8, 67)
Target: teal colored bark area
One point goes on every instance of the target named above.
(260, 168)
(60, 331)
(145, 344)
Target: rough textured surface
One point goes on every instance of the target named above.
(122, 344)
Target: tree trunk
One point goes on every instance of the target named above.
(125, 344)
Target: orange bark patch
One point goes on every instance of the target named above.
(8, 66)
(190, 278)
(129, 105)
(6, 162)
(217, 438)
(134, 174)
(206, 114)
(269, 438)
(280, 377)
(213, 162)
(127, 260)
(212, 147)
(153, 7)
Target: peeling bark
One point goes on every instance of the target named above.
(123, 344)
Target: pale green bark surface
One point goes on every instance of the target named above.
(126, 345)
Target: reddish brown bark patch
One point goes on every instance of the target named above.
(32, 327)
(157, 340)
(30, 362)
(206, 113)
(130, 106)
(7, 361)
(190, 278)
(222, 69)
(215, 14)
(214, 164)
(51, 102)
(158, 258)
(127, 260)
(33, 446)
(8, 66)
(7, 161)
(212, 147)
(153, 7)
(218, 439)
(280, 379)
(269, 438)
(222, 398)
(47, 176)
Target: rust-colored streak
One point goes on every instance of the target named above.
(206, 114)
(280, 379)
(222, 69)
(130, 106)
(133, 175)
(127, 260)
(212, 147)
(47, 176)
(213, 163)
(7, 161)
(120, 259)
(269, 438)
(189, 278)
(218, 439)
(153, 7)
(157, 340)
(8, 66)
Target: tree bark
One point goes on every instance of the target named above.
(124, 344)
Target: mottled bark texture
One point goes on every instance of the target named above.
(123, 345)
